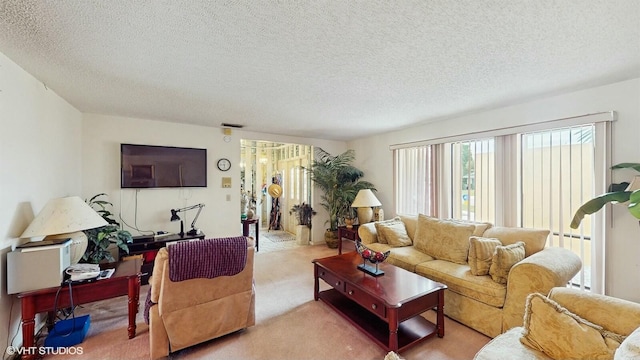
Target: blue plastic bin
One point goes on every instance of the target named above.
(68, 332)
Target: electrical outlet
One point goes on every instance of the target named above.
(228, 197)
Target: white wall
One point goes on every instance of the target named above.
(40, 158)
(623, 244)
(101, 138)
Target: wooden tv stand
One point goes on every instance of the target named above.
(148, 247)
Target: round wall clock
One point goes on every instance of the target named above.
(224, 164)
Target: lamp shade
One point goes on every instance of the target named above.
(364, 201)
(174, 215)
(365, 198)
(64, 215)
(66, 218)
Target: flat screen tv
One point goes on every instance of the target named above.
(148, 166)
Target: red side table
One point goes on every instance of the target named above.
(245, 229)
(347, 233)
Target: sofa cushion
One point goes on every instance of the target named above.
(507, 346)
(503, 260)
(534, 239)
(379, 247)
(442, 239)
(560, 334)
(599, 309)
(411, 223)
(382, 237)
(367, 233)
(630, 347)
(459, 279)
(394, 233)
(406, 257)
(481, 254)
(480, 227)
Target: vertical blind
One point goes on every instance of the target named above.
(531, 176)
(557, 171)
(415, 180)
(473, 180)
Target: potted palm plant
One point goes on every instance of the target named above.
(102, 239)
(618, 193)
(339, 182)
(303, 213)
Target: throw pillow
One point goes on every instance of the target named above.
(630, 347)
(481, 254)
(442, 239)
(395, 234)
(481, 227)
(382, 239)
(560, 334)
(503, 259)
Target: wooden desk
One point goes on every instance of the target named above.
(245, 229)
(347, 233)
(125, 281)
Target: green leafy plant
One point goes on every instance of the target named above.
(617, 194)
(101, 238)
(303, 213)
(339, 181)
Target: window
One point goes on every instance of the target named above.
(557, 170)
(533, 176)
(473, 180)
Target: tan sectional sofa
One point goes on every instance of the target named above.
(580, 325)
(438, 250)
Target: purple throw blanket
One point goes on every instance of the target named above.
(203, 259)
(208, 258)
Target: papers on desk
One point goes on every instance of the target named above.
(105, 274)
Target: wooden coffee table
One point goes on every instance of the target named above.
(386, 308)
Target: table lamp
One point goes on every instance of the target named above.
(174, 217)
(65, 218)
(364, 202)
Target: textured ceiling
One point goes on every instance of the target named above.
(332, 69)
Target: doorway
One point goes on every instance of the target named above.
(267, 163)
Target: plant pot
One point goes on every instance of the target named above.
(331, 238)
(302, 235)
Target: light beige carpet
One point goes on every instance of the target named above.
(289, 324)
(276, 240)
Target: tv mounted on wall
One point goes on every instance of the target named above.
(149, 166)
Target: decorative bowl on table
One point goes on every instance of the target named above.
(372, 256)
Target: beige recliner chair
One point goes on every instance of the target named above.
(188, 312)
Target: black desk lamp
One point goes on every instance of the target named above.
(175, 217)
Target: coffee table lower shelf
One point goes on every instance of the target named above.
(410, 331)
